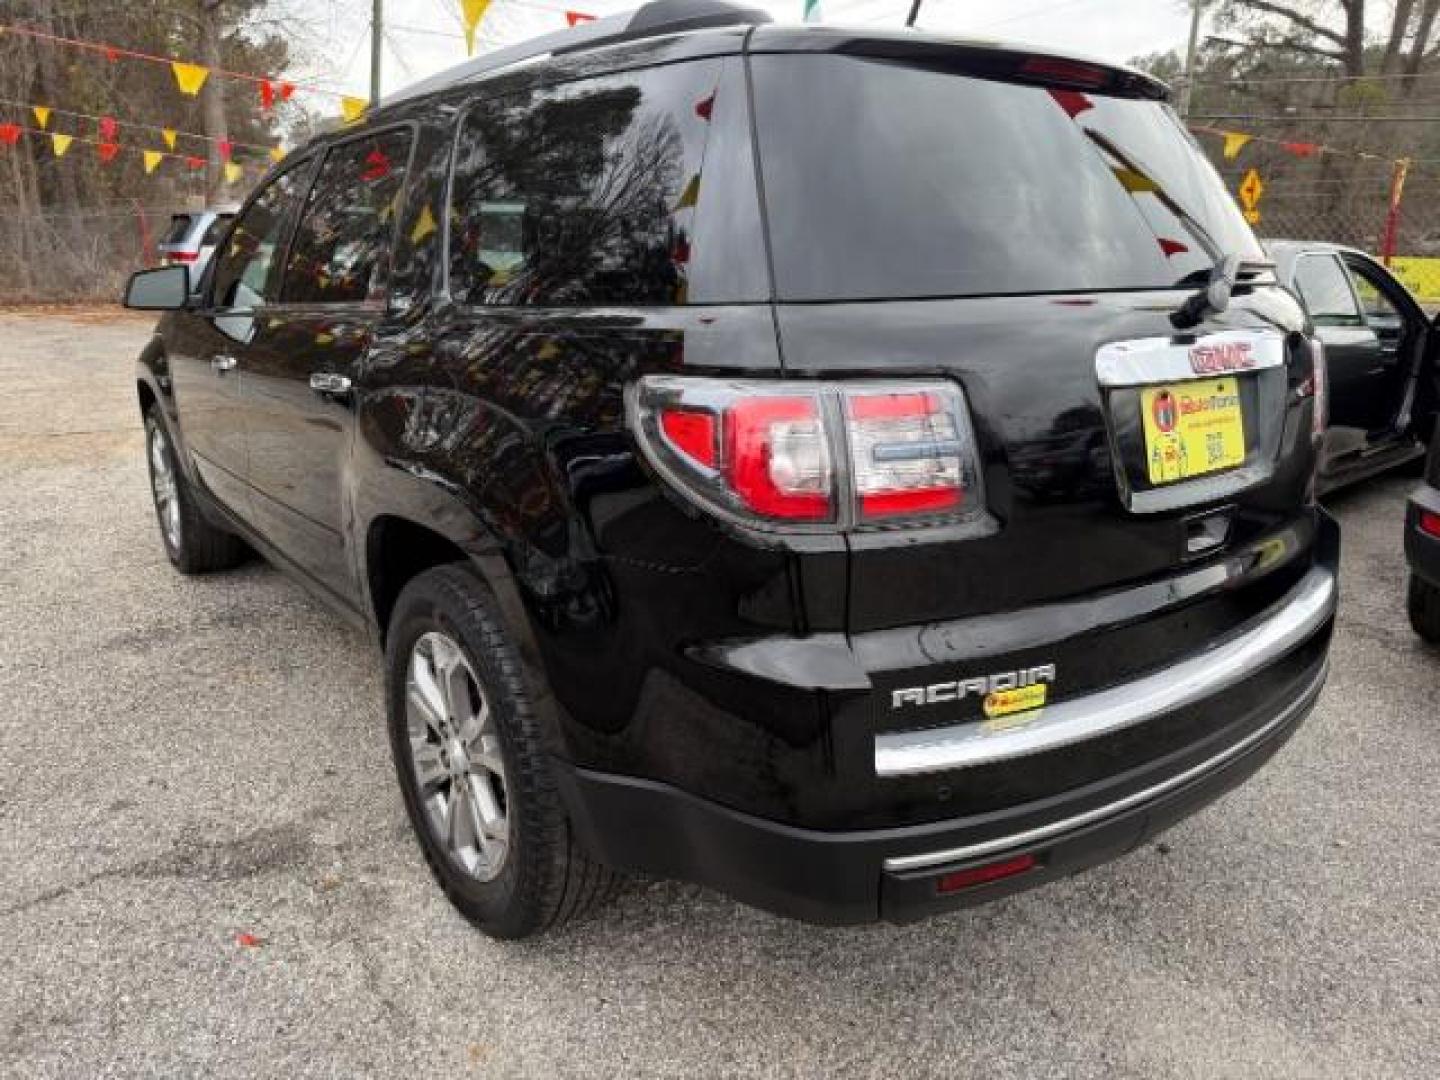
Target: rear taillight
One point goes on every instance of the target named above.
(1430, 523)
(173, 257)
(805, 455)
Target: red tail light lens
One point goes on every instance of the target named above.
(182, 256)
(905, 454)
(794, 454)
(777, 457)
(1430, 523)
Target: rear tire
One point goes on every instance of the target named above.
(1425, 609)
(469, 755)
(194, 545)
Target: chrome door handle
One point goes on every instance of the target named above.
(222, 364)
(326, 383)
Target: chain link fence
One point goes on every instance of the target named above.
(77, 255)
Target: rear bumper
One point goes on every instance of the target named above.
(1422, 550)
(892, 874)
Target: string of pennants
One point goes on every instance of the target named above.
(1236, 141)
(61, 143)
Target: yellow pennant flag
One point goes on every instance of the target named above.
(60, 143)
(1235, 142)
(472, 11)
(189, 77)
(352, 108)
(233, 172)
(168, 134)
(277, 154)
(42, 115)
(1134, 182)
(426, 226)
(691, 195)
(152, 160)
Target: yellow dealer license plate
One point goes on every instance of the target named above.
(1192, 428)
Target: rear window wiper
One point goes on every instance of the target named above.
(1214, 297)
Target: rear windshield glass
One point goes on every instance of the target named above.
(884, 180)
(179, 227)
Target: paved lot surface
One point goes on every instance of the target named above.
(185, 761)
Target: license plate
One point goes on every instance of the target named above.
(1192, 428)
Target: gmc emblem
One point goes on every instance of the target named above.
(1230, 356)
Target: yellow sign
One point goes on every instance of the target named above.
(1192, 428)
(1000, 703)
(1251, 188)
(1421, 276)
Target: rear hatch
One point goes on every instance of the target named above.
(1026, 227)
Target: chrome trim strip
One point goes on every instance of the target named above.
(1293, 619)
(902, 863)
(1142, 361)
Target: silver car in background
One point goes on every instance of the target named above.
(192, 236)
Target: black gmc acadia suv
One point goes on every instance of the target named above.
(867, 473)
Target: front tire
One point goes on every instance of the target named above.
(1425, 609)
(193, 544)
(472, 767)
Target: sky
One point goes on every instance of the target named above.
(424, 36)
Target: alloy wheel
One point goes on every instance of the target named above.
(455, 756)
(164, 486)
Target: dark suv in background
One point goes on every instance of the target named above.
(864, 472)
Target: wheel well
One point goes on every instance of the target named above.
(395, 551)
(147, 398)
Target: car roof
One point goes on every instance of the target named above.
(716, 27)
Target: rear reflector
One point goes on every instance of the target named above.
(1430, 523)
(983, 875)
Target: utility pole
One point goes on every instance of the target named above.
(1195, 6)
(914, 13)
(377, 30)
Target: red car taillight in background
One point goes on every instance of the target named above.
(831, 455)
(183, 257)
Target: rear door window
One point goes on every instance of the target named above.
(886, 180)
(341, 249)
(582, 193)
(1325, 288)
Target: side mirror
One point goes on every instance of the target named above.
(165, 289)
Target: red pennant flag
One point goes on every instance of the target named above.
(10, 134)
(1301, 149)
(1072, 101)
(195, 162)
(573, 17)
(111, 53)
(377, 166)
(226, 148)
(108, 129)
(1172, 247)
(108, 150)
(287, 91)
(704, 108)
(267, 94)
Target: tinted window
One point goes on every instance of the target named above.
(342, 244)
(243, 275)
(217, 229)
(1325, 288)
(884, 180)
(582, 193)
(1378, 307)
(179, 226)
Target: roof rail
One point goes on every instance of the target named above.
(649, 20)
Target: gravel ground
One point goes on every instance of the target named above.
(183, 762)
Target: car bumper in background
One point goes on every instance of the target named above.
(1422, 547)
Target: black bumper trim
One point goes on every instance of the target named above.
(840, 878)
